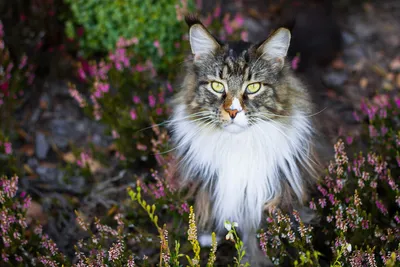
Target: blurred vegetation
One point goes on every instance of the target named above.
(156, 25)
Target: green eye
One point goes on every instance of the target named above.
(217, 87)
(253, 88)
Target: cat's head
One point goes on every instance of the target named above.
(233, 86)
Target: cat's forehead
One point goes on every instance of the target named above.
(234, 58)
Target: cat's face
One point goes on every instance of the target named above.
(235, 86)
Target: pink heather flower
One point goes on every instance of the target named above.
(84, 157)
(131, 262)
(364, 224)
(141, 147)
(152, 101)
(238, 21)
(227, 26)
(384, 130)
(355, 116)
(133, 114)
(18, 258)
(217, 11)
(397, 219)
(381, 207)
(372, 131)
(27, 202)
(322, 190)
(381, 100)
(159, 111)
(49, 245)
(115, 134)
(322, 202)
(207, 21)
(161, 98)
(244, 35)
(1, 30)
(185, 207)
(7, 148)
(136, 100)
(156, 44)
(177, 45)
(77, 96)
(169, 87)
(349, 140)
(4, 257)
(81, 74)
(23, 62)
(397, 101)
(331, 198)
(312, 205)
(120, 58)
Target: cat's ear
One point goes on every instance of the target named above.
(201, 41)
(275, 47)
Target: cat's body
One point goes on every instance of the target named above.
(242, 130)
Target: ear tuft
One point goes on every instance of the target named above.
(192, 19)
(201, 41)
(276, 46)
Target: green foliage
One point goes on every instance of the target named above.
(157, 27)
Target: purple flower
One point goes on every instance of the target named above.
(136, 99)
(295, 62)
(381, 207)
(152, 101)
(133, 114)
(7, 148)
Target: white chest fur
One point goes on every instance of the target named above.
(245, 169)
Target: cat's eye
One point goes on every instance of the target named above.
(217, 87)
(253, 88)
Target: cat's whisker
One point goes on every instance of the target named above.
(295, 116)
(175, 120)
(207, 121)
(199, 119)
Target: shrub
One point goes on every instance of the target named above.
(156, 27)
(359, 201)
(15, 76)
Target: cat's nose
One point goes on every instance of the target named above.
(232, 112)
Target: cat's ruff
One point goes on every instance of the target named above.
(245, 169)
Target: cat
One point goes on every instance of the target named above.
(242, 130)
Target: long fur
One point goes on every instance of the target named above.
(269, 161)
(244, 171)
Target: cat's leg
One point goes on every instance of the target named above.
(203, 217)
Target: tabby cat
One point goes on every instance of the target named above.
(242, 130)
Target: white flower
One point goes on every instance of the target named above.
(229, 236)
(349, 247)
(235, 224)
(228, 225)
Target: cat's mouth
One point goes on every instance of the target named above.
(233, 127)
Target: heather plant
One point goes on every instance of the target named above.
(358, 202)
(15, 76)
(22, 241)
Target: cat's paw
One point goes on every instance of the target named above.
(205, 239)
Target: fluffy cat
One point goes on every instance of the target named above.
(242, 130)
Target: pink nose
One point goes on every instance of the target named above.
(232, 112)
